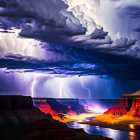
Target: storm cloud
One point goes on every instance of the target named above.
(77, 45)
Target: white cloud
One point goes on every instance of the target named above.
(84, 11)
(11, 43)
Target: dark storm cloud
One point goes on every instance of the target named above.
(47, 24)
(88, 54)
(40, 18)
(11, 22)
(98, 63)
(132, 8)
(3, 4)
(124, 43)
(10, 84)
(115, 0)
(133, 13)
(137, 29)
(98, 34)
(54, 26)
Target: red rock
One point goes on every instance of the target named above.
(128, 104)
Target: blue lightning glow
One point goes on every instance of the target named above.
(61, 88)
(33, 85)
(88, 90)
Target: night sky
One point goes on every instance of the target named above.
(69, 48)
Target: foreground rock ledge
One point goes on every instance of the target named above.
(20, 120)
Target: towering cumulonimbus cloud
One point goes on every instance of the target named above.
(75, 32)
(84, 11)
(41, 14)
(69, 17)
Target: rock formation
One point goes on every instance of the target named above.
(125, 115)
(20, 120)
(8, 102)
(52, 130)
(128, 104)
(58, 110)
(16, 113)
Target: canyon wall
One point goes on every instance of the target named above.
(128, 104)
(20, 120)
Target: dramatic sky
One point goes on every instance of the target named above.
(70, 48)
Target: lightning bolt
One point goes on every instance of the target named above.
(35, 81)
(89, 94)
(61, 88)
(33, 85)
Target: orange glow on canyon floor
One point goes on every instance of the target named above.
(124, 115)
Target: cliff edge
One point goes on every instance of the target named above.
(20, 120)
(124, 115)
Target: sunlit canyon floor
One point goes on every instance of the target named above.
(66, 110)
(124, 115)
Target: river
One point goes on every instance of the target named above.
(106, 132)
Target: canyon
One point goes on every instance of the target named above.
(20, 120)
(124, 115)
